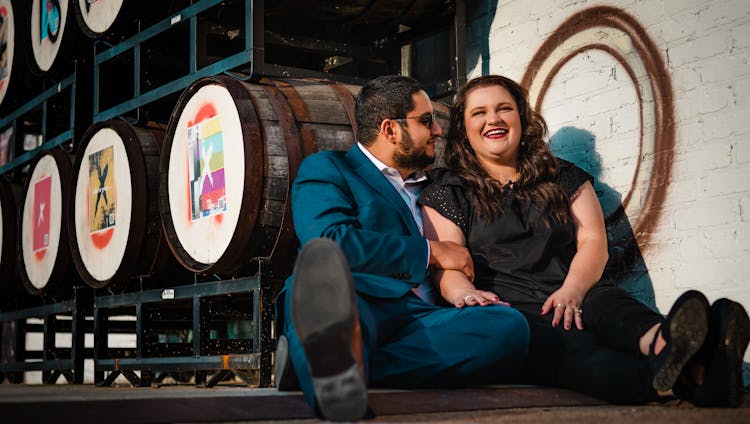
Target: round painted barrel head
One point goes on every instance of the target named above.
(109, 189)
(206, 166)
(7, 45)
(44, 244)
(96, 17)
(48, 19)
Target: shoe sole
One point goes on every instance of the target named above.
(324, 313)
(736, 335)
(687, 332)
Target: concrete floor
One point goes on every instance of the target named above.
(228, 403)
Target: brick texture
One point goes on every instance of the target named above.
(701, 239)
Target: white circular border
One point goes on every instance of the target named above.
(102, 264)
(102, 15)
(206, 239)
(45, 54)
(10, 42)
(39, 272)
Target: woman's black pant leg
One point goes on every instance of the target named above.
(578, 361)
(616, 317)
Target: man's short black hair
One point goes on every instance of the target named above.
(386, 97)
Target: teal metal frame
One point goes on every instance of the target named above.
(40, 100)
(53, 361)
(252, 54)
(203, 358)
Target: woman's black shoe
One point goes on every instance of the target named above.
(722, 356)
(685, 331)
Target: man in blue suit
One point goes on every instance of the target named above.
(359, 309)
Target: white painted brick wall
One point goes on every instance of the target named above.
(702, 239)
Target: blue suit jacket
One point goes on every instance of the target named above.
(344, 197)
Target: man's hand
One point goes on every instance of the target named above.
(450, 255)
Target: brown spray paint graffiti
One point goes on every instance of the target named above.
(598, 28)
(623, 38)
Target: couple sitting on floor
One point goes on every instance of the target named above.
(511, 237)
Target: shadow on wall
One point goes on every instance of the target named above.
(479, 17)
(626, 267)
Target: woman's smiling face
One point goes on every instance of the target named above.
(493, 125)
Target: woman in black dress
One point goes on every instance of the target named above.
(536, 232)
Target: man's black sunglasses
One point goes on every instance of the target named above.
(426, 120)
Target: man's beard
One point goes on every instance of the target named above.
(408, 156)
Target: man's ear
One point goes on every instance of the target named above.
(389, 131)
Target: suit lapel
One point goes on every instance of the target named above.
(370, 174)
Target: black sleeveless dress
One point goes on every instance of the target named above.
(523, 260)
(515, 254)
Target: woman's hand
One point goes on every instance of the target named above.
(566, 302)
(474, 297)
(588, 263)
(459, 291)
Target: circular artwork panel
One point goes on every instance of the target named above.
(206, 174)
(41, 222)
(48, 18)
(7, 45)
(98, 15)
(103, 204)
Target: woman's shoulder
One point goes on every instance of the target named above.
(570, 176)
(447, 195)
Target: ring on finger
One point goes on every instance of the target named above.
(579, 311)
(560, 305)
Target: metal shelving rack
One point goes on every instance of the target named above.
(203, 354)
(52, 360)
(202, 304)
(40, 103)
(249, 57)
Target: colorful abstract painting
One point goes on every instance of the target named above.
(49, 20)
(4, 59)
(41, 216)
(206, 169)
(102, 190)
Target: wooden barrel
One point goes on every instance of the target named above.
(48, 26)
(17, 85)
(252, 137)
(8, 50)
(230, 153)
(98, 18)
(45, 253)
(115, 229)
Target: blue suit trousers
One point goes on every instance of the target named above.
(409, 343)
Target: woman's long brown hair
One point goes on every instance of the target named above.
(537, 167)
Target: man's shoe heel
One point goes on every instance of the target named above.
(342, 397)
